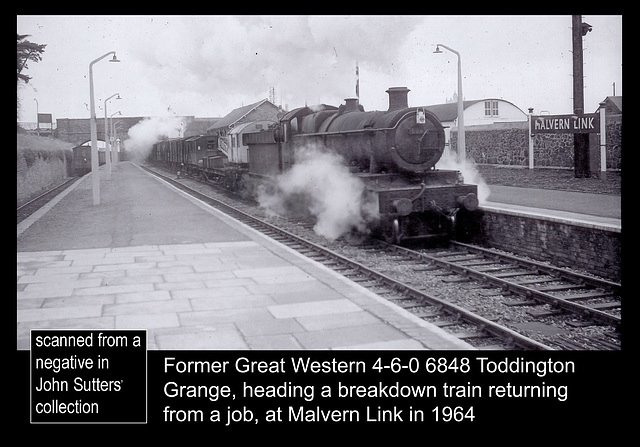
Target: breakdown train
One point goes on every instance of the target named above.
(394, 152)
(81, 162)
(82, 158)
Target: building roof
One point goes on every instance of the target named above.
(613, 102)
(199, 126)
(237, 114)
(449, 111)
(241, 127)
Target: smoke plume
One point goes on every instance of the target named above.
(320, 184)
(142, 136)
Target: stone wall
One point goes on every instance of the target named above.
(614, 142)
(508, 144)
(595, 250)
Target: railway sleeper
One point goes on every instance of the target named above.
(560, 287)
(445, 323)
(542, 313)
(606, 306)
(317, 256)
(490, 291)
(443, 273)
(426, 312)
(448, 254)
(513, 274)
(471, 335)
(535, 281)
(457, 279)
(496, 268)
(587, 296)
(520, 303)
(426, 268)
(477, 263)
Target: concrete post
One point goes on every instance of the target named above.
(603, 142)
(529, 118)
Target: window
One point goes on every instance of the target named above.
(491, 108)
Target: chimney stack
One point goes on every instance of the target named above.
(398, 98)
(351, 104)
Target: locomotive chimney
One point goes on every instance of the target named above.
(351, 104)
(398, 98)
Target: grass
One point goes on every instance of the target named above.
(549, 178)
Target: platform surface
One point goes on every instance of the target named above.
(150, 257)
(601, 211)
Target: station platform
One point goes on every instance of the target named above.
(151, 257)
(597, 211)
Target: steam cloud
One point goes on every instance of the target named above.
(218, 62)
(143, 135)
(470, 175)
(320, 184)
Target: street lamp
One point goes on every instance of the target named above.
(111, 135)
(106, 136)
(94, 132)
(37, 116)
(116, 127)
(461, 140)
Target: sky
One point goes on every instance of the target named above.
(206, 66)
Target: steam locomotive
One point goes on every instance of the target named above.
(394, 152)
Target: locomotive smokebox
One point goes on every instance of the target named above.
(398, 98)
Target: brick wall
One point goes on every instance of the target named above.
(596, 251)
(508, 144)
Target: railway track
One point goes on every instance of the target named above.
(27, 209)
(512, 311)
(596, 299)
(558, 307)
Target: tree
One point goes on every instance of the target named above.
(27, 51)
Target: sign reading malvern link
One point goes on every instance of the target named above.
(589, 123)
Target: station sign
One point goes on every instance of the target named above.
(45, 118)
(574, 123)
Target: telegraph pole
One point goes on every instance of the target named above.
(580, 141)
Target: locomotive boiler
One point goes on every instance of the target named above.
(401, 139)
(394, 152)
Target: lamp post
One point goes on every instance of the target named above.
(116, 127)
(94, 132)
(461, 141)
(106, 136)
(111, 134)
(37, 117)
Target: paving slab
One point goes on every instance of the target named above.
(151, 257)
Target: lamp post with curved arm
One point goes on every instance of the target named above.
(111, 136)
(116, 127)
(106, 136)
(94, 131)
(461, 140)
